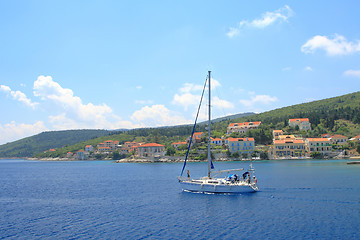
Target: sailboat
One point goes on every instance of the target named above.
(231, 183)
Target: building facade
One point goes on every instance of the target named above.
(322, 145)
(242, 127)
(240, 145)
(302, 123)
(288, 148)
(151, 150)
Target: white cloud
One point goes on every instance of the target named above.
(336, 46)
(138, 87)
(157, 115)
(19, 96)
(74, 114)
(308, 68)
(13, 131)
(186, 97)
(258, 99)
(266, 19)
(220, 103)
(352, 73)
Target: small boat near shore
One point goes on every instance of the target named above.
(353, 162)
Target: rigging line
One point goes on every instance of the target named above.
(193, 130)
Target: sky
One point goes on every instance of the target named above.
(131, 64)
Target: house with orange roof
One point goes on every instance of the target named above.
(338, 139)
(240, 145)
(104, 149)
(302, 123)
(111, 144)
(356, 138)
(322, 145)
(178, 144)
(286, 137)
(277, 133)
(81, 155)
(89, 148)
(287, 148)
(216, 141)
(129, 147)
(151, 150)
(242, 127)
(196, 137)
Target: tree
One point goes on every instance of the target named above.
(244, 155)
(264, 156)
(316, 155)
(235, 155)
(170, 151)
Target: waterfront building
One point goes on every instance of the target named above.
(151, 150)
(322, 145)
(81, 155)
(242, 127)
(302, 123)
(287, 148)
(240, 145)
(338, 139)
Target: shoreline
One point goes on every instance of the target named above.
(165, 159)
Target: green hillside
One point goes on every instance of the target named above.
(27, 147)
(338, 115)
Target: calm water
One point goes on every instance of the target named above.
(102, 200)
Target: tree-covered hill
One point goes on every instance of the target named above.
(337, 115)
(27, 147)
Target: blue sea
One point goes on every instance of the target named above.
(298, 199)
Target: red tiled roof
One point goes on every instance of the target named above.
(245, 124)
(230, 139)
(215, 139)
(288, 141)
(151, 145)
(338, 136)
(318, 140)
(179, 143)
(299, 120)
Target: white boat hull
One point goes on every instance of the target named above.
(195, 186)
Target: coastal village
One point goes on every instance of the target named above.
(227, 147)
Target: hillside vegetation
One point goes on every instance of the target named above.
(29, 146)
(338, 115)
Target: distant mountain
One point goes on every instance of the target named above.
(230, 117)
(27, 147)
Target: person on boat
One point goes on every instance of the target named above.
(188, 174)
(235, 178)
(254, 179)
(244, 175)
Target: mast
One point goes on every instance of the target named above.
(209, 129)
